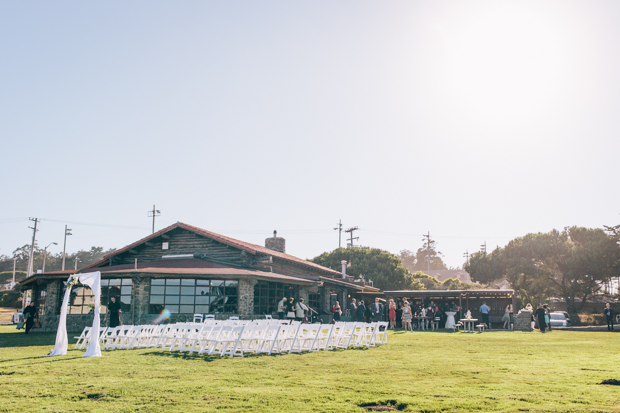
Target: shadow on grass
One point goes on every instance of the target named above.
(207, 358)
(42, 359)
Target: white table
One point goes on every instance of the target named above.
(450, 320)
(468, 324)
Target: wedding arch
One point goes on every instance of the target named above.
(92, 280)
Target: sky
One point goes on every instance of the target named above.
(476, 121)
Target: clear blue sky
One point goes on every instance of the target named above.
(476, 121)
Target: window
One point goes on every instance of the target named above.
(42, 302)
(190, 296)
(267, 295)
(119, 288)
(314, 302)
(82, 299)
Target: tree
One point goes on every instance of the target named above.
(419, 262)
(573, 264)
(383, 268)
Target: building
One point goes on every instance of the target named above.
(188, 270)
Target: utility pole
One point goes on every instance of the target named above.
(31, 257)
(14, 263)
(339, 228)
(350, 230)
(466, 255)
(76, 261)
(428, 250)
(64, 248)
(483, 247)
(154, 213)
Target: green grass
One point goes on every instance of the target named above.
(421, 372)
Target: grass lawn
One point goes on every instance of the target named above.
(421, 372)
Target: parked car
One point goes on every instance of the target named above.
(17, 316)
(559, 319)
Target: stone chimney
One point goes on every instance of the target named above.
(275, 243)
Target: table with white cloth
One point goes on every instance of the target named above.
(468, 324)
(450, 319)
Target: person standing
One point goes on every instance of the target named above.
(540, 318)
(392, 315)
(114, 310)
(300, 311)
(407, 317)
(609, 315)
(547, 316)
(484, 311)
(282, 308)
(30, 314)
(361, 309)
(376, 310)
(337, 311)
(290, 309)
(353, 310)
(506, 317)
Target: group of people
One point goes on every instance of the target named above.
(292, 309)
(371, 313)
(414, 315)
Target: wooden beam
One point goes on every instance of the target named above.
(164, 236)
(132, 251)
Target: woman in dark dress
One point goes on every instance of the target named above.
(114, 309)
(540, 317)
(399, 316)
(290, 309)
(337, 311)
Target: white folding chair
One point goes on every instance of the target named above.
(268, 341)
(82, 338)
(198, 318)
(233, 317)
(324, 338)
(230, 345)
(306, 338)
(268, 316)
(380, 336)
(209, 317)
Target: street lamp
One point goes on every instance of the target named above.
(45, 254)
(64, 248)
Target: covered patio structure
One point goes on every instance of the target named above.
(497, 300)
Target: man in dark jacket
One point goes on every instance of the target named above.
(377, 310)
(353, 310)
(609, 315)
(361, 309)
(30, 314)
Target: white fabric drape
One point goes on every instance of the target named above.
(92, 280)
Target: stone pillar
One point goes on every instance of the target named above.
(245, 297)
(141, 295)
(523, 321)
(304, 293)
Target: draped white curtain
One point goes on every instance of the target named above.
(93, 280)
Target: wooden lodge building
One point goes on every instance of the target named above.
(189, 270)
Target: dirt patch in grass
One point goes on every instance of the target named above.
(384, 406)
(613, 382)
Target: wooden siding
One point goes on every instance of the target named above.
(181, 241)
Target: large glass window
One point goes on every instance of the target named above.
(267, 295)
(192, 296)
(314, 302)
(82, 299)
(119, 288)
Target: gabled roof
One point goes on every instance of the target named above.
(242, 245)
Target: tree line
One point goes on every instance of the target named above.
(53, 262)
(574, 264)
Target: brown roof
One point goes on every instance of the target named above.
(242, 245)
(192, 266)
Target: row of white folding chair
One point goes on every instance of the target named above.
(84, 339)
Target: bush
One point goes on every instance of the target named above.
(11, 299)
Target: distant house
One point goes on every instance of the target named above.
(443, 275)
(186, 270)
